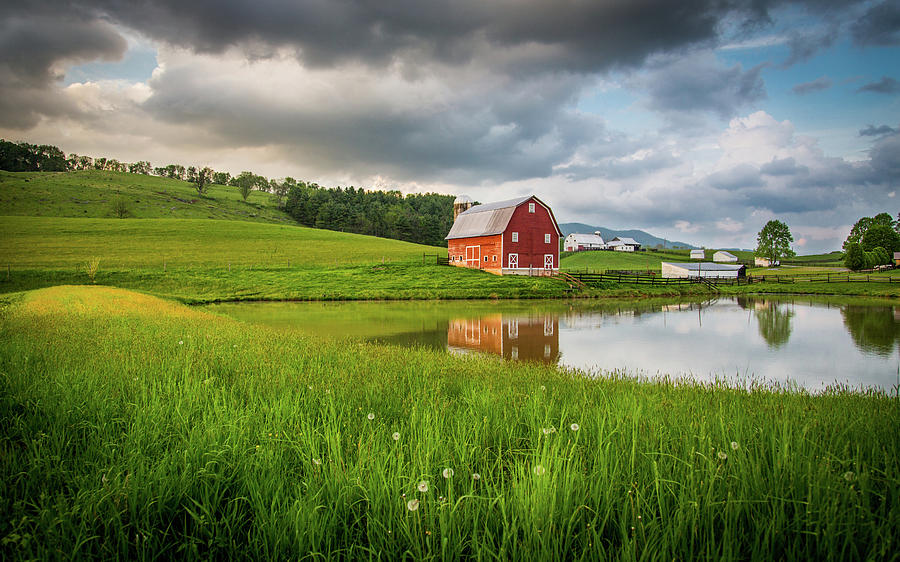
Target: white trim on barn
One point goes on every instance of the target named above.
(578, 242)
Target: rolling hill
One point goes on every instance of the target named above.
(645, 238)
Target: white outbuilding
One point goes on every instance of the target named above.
(698, 254)
(703, 269)
(724, 257)
(623, 244)
(581, 242)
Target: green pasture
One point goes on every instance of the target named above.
(604, 260)
(44, 242)
(92, 193)
(136, 428)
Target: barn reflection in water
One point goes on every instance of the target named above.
(518, 337)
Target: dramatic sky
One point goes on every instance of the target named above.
(698, 120)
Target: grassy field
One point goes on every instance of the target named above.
(43, 242)
(603, 260)
(136, 428)
(92, 193)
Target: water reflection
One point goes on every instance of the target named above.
(774, 321)
(526, 338)
(810, 342)
(874, 329)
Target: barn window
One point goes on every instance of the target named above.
(546, 239)
(494, 258)
(531, 207)
(515, 236)
(485, 258)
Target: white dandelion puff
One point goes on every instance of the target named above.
(722, 455)
(371, 416)
(317, 462)
(412, 505)
(574, 427)
(396, 436)
(735, 446)
(546, 430)
(180, 342)
(448, 473)
(539, 470)
(849, 476)
(422, 487)
(476, 476)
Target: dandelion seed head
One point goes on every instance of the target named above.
(180, 342)
(412, 505)
(546, 430)
(543, 388)
(849, 476)
(448, 473)
(396, 436)
(539, 470)
(574, 427)
(735, 446)
(423, 486)
(476, 476)
(371, 416)
(722, 455)
(317, 462)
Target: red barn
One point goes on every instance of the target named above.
(519, 236)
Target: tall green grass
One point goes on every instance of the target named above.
(137, 428)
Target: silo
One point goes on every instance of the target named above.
(461, 204)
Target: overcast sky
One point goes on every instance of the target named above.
(697, 120)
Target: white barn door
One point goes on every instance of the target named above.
(548, 261)
(513, 261)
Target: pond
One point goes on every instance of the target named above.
(809, 342)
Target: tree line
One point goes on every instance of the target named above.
(419, 218)
(872, 241)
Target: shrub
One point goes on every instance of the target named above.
(854, 257)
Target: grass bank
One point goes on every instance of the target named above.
(138, 428)
(92, 194)
(391, 281)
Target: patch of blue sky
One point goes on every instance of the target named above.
(846, 68)
(136, 66)
(619, 107)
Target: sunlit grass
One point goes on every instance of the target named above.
(133, 427)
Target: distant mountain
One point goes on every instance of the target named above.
(644, 238)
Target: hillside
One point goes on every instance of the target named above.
(92, 194)
(603, 260)
(56, 242)
(640, 236)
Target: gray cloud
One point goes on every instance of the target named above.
(700, 83)
(873, 131)
(32, 46)
(886, 85)
(879, 26)
(804, 45)
(783, 167)
(817, 85)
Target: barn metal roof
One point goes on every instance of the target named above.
(585, 238)
(705, 266)
(487, 219)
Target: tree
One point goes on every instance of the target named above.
(245, 183)
(881, 235)
(201, 180)
(854, 257)
(774, 241)
(865, 223)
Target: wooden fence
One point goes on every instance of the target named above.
(654, 278)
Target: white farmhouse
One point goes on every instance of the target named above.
(623, 244)
(698, 254)
(724, 257)
(580, 242)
